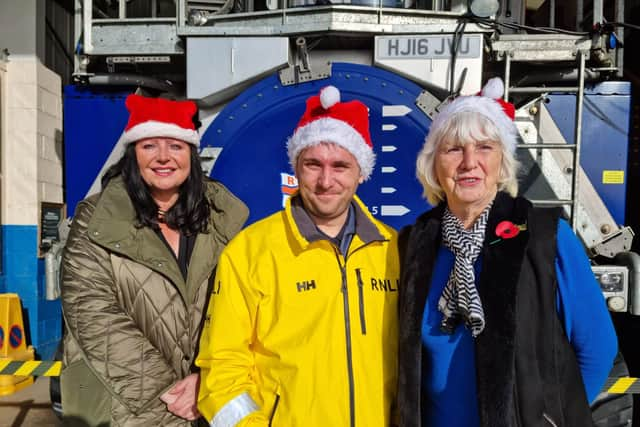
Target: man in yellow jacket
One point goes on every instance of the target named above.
(301, 328)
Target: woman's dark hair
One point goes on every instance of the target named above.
(190, 214)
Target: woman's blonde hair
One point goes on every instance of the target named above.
(463, 127)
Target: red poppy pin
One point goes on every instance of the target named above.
(508, 230)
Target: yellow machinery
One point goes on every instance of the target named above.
(12, 345)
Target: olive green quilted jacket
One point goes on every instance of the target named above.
(132, 321)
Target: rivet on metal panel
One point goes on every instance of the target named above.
(259, 95)
(366, 79)
(219, 130)
(605, 229)
(347, 76)
(244, 105)
(231, 117)
(401, 92)
(384, 84)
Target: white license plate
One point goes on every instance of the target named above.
(427, 47)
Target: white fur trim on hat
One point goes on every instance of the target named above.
(154, 129)
(334, 131)
(489, 108)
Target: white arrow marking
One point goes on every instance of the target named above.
(395, 110)
(387, 190)
(388, 169)
(389, 127)
(393, 210)
(389, 148)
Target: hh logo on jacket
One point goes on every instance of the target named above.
(306, 285)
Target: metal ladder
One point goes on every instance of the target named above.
(590, 218)
(528, 48)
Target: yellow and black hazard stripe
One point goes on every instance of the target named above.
(622, 385)
(38, 368)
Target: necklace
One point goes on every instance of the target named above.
(161, 214)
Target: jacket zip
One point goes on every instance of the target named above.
(347, 330)
(363, 323)
(275, 408)
(347, 327)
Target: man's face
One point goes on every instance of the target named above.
(328, 177)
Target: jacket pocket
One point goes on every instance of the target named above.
(273, 411)
(84, 399)
(363, 322)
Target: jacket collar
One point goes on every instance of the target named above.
(112, 226)
(306, 231)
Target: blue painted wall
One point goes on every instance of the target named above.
(93, 121)
(23, 274)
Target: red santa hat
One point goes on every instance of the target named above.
(158, 117)
(346, 124)
(490, 104)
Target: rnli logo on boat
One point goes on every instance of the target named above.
(288, 186)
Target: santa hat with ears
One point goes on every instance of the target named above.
(160, 118)
(327, 119)
(489, 103)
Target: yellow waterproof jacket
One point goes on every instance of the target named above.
(297, 334)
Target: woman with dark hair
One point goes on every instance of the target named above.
(136, 274)
(501, 320)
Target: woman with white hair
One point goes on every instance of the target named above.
(501, 320)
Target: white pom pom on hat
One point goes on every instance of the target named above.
(328, 119)
(494, 88)
(329, 96)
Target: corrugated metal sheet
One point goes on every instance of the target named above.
(59, 43)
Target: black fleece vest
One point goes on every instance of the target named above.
(527, 373)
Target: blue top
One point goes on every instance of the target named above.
(449, 380)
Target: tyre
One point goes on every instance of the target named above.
(614, 410)
(54, 386)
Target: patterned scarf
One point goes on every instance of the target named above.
(460, 300)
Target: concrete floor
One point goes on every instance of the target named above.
(29, 407)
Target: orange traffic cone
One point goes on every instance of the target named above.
(12, 344)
